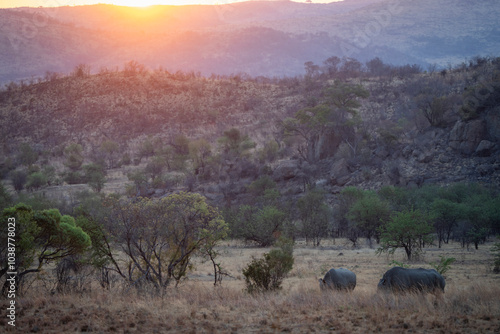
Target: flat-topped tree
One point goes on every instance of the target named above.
(41, 237)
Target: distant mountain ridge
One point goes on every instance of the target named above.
(257, 37)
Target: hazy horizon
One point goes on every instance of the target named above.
(132, 3)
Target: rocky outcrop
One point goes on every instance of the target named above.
(340, 174)
(327, 146)
(466, 136)
(485, 148)
(492, 119)
(286, 170)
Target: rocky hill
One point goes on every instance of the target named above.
(154, 132)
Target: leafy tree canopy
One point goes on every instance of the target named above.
(42, 236)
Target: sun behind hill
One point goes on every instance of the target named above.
(136, 3)
(147, 3)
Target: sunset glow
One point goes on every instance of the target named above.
(136, 3)
(131, 3)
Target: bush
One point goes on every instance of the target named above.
(5, 167)
(444, 264)
(95, 176)
(5, 198)
(259, 186)
(163, 235)
(126, 160)
(27, 155)
(73, 178)
(268, 272)
(50, 174)
(36, 181)
(18, 178)
(74, 158)
(260, 225)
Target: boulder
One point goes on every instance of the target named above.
(485, 148)
(286, 170)
(394, 175)
(425, 157)
(493, 124)
(407, 151)
(327, 145)
(339, 173)
(466, 136)
(486, 169)
(382, 152)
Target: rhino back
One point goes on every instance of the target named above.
(341, 278)
(399, 278)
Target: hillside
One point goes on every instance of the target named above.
(259, 38)
(217, 135)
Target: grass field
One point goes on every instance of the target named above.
(471, 303)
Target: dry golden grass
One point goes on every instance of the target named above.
(471, 302)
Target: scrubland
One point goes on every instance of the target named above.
(471, 302)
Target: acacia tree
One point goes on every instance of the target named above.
(200, 152)
(261, 225)
(327, 123)
(111, 151)
(41, 238)
(27, 155)
(433, 108)
(159, 237)
(448, 214)
(311, 125)
(18, 178)
(331, 65)
(408, 229)
(314, 214)
(95, 175)
(74, 156)
(368, 213)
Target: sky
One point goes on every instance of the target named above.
(138, 3)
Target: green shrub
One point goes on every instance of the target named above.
(18, 178)
(74, 156)
(73, 178)
(259, 186)
(268, 272)
(399, 264)
(5, 198)
(126, 160)
(50, 174)
(27, 155)
(36, 180)
(5, 167)
(444, 264)
(95, 176)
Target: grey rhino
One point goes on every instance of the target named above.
(339, 279)
(400, 279)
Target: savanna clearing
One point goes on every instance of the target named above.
(471, 303)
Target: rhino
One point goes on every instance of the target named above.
(339, 279)
(400, 279)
